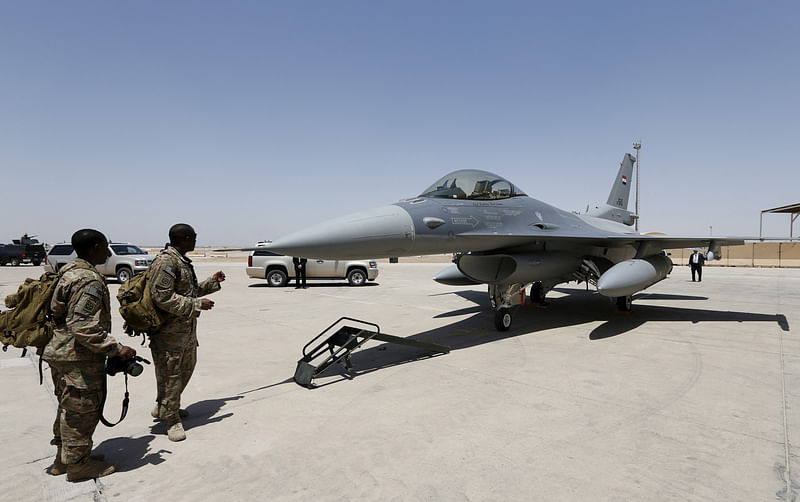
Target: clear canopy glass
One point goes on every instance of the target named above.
(472, 184)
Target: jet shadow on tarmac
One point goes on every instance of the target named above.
(574, 309)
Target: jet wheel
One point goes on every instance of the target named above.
(502, 319)
(624, 303)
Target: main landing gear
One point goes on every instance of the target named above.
(505, 298)
(624, 303)
(537, 293)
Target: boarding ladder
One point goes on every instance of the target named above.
(339, 346)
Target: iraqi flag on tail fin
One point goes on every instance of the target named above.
(624, 180)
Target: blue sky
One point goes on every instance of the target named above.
(250, 119)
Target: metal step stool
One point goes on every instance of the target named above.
(340, 346)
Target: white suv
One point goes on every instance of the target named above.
(124, 260)
(278, 269)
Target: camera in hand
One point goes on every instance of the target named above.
(130, 366)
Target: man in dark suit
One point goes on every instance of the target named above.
(299, 271)
(696, 262)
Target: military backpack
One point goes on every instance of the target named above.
(137, 308)
(29, 322)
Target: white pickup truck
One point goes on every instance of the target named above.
(124, 260)
(278, 269)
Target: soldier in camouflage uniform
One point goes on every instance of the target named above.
(76, 355)
(175, 290)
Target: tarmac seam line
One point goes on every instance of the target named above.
(787, 473)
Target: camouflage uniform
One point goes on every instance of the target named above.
(174, 289)
(76, 355)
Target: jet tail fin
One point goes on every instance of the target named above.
(621, 189)
(616, 208)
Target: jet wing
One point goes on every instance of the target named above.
(646, 243)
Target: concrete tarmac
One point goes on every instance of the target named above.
(695, 395)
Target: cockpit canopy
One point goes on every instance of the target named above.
(472, 184)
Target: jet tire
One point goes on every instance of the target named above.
(502, 319)
(537, 293)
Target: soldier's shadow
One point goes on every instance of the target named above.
(200, 413)
(130, 453)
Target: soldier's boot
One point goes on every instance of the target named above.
(158, 412)
(58, 468)
(175, 432)
(89, 469)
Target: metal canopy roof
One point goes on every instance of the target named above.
(792, 209)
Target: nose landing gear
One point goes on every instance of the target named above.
(502, 319)
(503, 298)
(624, 303)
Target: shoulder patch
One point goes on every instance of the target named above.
(87, 304)
(169, 271)
(165, 279)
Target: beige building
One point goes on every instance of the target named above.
(751, 254)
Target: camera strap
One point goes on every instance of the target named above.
(125, 402)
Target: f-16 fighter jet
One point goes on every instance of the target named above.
(501, 237)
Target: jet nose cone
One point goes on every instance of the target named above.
(376, 233)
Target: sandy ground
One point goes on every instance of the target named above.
(693, 396)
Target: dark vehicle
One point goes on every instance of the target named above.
(11, 253)
(23, 250)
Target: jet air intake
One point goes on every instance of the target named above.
(451, 276)
(516, 269)
(630, 276)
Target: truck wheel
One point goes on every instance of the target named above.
(277, 278)
(36, 263)
(357, 277)
(123, 274)
(15, 262)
